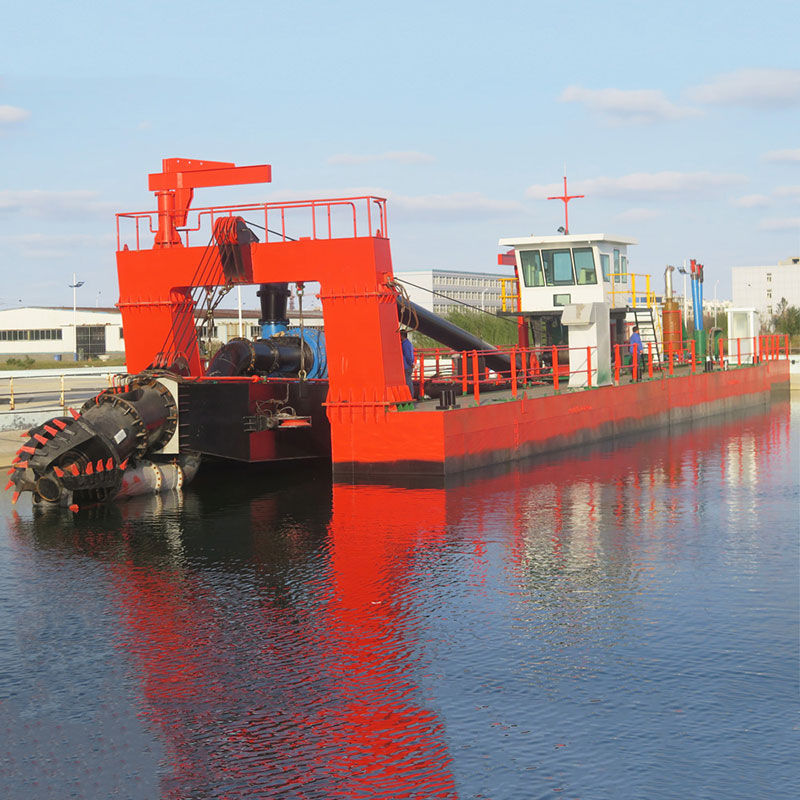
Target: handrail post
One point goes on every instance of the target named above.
(437, 360)
(421, 375)
(476, 389)
(633, 290)
(739, 352)
(721, 353)
(464, 387)
(634, 364)
(589, 366)
(671, 355)
(555, 368)
(649, 359)
(647, 289)
(524, 367)
(691, 348)
(513, 371)
(616, 363)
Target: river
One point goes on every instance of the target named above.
(615, 622)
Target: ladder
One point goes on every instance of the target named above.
(649, 330)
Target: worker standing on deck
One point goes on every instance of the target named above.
(637, 351)
(408, 359)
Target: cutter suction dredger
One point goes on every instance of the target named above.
(295, 393)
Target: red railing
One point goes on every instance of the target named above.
(339, 218)
(542, 366)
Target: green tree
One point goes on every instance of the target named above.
(787, 318)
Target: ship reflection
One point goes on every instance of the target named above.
(278, 624)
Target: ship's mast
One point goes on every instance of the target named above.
(565, 198)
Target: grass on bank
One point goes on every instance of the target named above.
(498, 331)
(26, 362)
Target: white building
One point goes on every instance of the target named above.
(51, 332)
(57, 332)
(453, 288)
(763, 288)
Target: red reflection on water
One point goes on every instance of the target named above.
(359, 725)
(388, 744)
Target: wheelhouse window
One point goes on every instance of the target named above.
(605, 265)
(624, 264)
(617, 267)
(584, 265)
(558, 268)
(532, 274)
(562, 299)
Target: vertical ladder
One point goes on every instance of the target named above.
(646, 322)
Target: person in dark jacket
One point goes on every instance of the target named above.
(408, 359)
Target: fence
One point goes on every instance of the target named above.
(344, 217)
(545, 366)
(54, 390)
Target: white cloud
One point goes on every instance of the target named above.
(638, 215)
(458, 205)
(643, 184)
(788, 191)
(49, 246)
(399, 156)
(46, 203)
(628, 105)
(10, 115)
(780, 224)
(751, 201)
(790, 156)
(762, 88)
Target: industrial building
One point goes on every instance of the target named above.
(442, 290)
(764, 287)
(86, 333)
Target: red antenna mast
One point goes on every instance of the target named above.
(565, 198)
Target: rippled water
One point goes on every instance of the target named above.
(620, 622)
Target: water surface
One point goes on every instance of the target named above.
(618, 622)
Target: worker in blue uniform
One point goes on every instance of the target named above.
(408, 359)
(637, 352)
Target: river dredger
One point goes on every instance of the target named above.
(296, 392)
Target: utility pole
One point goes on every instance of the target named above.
(74, 286)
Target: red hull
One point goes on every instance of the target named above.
(444, 442)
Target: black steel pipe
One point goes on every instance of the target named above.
(234, 358)
(278, 354)
(274, 297)
(451, 335)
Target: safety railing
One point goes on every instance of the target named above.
(628, 293)
(527, 367)
(509, 294)
(437, 368)
(338, 218)
(59, 391)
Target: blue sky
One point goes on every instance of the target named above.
(679, 121)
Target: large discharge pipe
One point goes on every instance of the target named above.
(429, 324)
